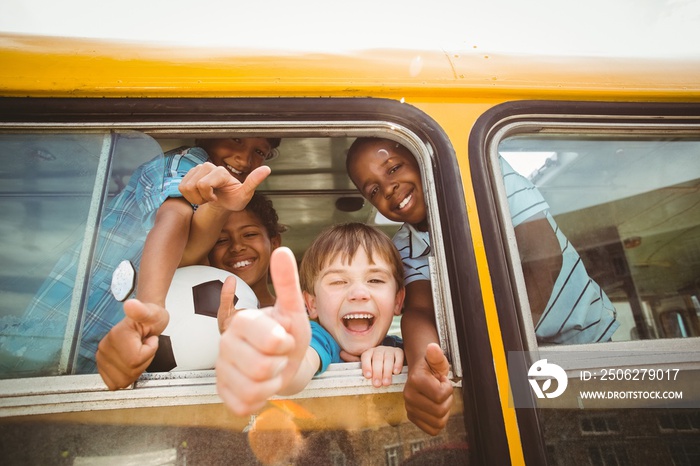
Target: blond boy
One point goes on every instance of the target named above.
(352, 282)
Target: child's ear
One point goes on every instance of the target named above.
(400, 296)
(276, 241)
(310, 301)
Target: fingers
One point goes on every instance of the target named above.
(122, 355)
(430, 423)
(381, 363)
(429, 414)
(226, 309)
(129, 347)
(199, 183)
(398, 362)
(207, 183)
(252, 355)
(240, 394)
(382, 369)
(259, 330)
(428, 394)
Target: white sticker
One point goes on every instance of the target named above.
(123, 281)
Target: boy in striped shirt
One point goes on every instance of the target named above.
(570, 309)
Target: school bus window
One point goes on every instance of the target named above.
(53, 187)
(626, 211)
(310, 190)
(306, 201)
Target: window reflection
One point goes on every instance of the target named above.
(54, 187)
(631, 209)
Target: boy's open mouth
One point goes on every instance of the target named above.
(239, 175)
(233, 170)
(405, 201)
(243, 263)
(358, 322)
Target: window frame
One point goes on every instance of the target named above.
(676, 350)
(538, 116)
(191, 117)
(486, 130)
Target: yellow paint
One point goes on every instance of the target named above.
(454, 88)
(62, 67)
(452, 118)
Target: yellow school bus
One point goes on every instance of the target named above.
(612, 143)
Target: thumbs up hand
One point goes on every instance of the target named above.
(262, 349)
(428, 392)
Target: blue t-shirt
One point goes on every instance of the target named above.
(328, 349)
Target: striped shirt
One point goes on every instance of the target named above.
(414, 247)
(578, 310)
(34, 341)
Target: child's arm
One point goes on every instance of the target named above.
(129, 347)
(207, 223)
(218, 194)
(380, 363)
(428, 392)
(266, 351)
(541, 259)
(163, 250)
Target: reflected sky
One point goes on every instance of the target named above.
(660, 28)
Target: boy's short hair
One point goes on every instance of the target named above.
(346, 239)
(274, 151)
(261, 207)
(274, 144)
(359, 144)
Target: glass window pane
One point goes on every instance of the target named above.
(46, 193)
(47, 196)
(627, 210)
(136, 186)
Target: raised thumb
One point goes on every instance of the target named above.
(256, 177)
(285, 280)
(436, 359)
(228, 293)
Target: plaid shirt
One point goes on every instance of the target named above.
(35, 342)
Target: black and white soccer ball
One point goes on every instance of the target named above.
(191, 339)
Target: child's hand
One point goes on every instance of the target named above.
(261, 349)
(226, 309)
(209, 183)
(129, 347)
(380, 363)
(428, 392)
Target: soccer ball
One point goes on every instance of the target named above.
(191, 339)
